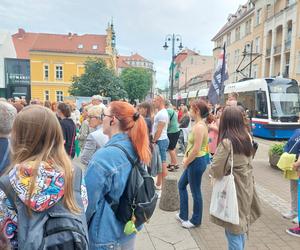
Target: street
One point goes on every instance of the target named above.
(164, 232)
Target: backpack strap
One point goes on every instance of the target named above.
(7, 188)
(113, 205)
(125, 152)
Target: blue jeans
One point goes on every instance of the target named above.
(192, 175)
(235, 241)
(163, 148)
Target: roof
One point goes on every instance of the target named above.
(181, 56)
(230, 24)
(122, 60)
(25, 42)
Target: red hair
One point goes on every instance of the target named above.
(136, 129)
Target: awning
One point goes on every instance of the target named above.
(193, 93)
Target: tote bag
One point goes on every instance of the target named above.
(224, 204)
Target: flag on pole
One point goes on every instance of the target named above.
(216, 89)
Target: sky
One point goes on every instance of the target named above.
(141, 26)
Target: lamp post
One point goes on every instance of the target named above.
(174, 38)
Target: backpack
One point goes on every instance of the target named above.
(53, 229)
(139, 197)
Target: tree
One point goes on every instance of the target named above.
(137, 82)
(97, 79)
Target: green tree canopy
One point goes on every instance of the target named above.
(137, 82)
(97, 79)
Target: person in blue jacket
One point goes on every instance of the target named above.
(293, 147)
(108, 171)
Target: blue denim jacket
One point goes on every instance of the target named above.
(107, 173)
(293, 143)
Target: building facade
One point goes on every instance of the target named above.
(265, 32)
(7, 50)
(189, 64)
(137, 61)
(55, 59)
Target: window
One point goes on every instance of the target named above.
(59, 96)
(95, 46)
(268, 10)
(58, 72)
(298, 63)
(258, 13)
(248, 27)
(80, 46)
(46, 95)
(46, 71)
(236, 56)
(238, 33)
(255, 71)
(228, 40)
(257, 45)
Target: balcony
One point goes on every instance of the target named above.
(277, 49)
(268, 52)
(287, 45)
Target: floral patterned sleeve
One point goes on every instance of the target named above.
(8, 217)
(84, 195)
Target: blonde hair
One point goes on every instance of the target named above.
(37, 136)
(95, 111)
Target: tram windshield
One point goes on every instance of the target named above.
(285, 101)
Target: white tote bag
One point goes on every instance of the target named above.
(224, 204)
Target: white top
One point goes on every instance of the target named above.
(161, 116)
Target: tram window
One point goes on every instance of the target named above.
(261, 107)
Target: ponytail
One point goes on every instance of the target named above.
(135, 125)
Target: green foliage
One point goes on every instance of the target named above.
(137, 82)
(97, 79)
(277, 148)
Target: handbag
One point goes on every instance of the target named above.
(287, 159)
(224, 204)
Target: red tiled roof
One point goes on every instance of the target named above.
(136, 57)
(184, 54)
(121, 62)
(69, 43)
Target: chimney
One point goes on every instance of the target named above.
(69, 35)
(21, 33)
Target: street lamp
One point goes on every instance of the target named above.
(174, 38)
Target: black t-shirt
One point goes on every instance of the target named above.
(69, 133)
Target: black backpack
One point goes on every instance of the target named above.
(139, 196)
(53, 229)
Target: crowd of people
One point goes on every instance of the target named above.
(38, 177)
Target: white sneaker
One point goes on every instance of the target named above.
(289, 215)
(178, 218)
(158, 192)
(295, 220)
(187, 224)
(180, 154)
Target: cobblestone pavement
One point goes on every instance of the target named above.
(164, 232)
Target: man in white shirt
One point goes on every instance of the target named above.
(160, 136)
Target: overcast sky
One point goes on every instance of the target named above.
(141, 25)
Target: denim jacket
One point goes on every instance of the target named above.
(107, 173)
(293, 143)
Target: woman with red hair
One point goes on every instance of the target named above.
(108, 171)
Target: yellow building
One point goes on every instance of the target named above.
(270, 30)
(55, 59)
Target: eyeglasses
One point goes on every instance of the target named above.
(103, 115)
(93, 116)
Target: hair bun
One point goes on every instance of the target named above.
(136, 116)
